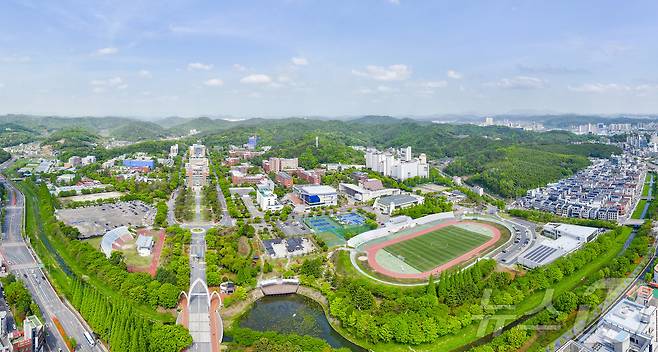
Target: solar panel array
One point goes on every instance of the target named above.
(540, 253)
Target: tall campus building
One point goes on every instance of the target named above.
(398, 164)
(197, 169)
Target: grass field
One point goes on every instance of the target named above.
(638, 209)
(430, 250)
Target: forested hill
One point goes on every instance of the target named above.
(511, 171)
(505, 161)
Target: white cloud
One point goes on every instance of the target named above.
(612, 87)
(107, 51)
(600, 88)
(256, 79)
(239, 68)
(100, 85)
(386, 89)
(214, 82)
(396, 72)
(199, 66)
(15, 59)
(521, 82)
(299, 61)
(284, 79)
(111, 82)
(454, 74)
(435, 84)
(364, 91)
(144, 73)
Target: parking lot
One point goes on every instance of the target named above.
(96, 220)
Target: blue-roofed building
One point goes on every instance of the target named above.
(252, 142)
(316, 195)
(139, 164)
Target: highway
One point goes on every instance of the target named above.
(23, 264)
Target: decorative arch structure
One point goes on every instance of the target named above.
(205, 292)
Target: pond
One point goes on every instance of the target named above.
(294, 314)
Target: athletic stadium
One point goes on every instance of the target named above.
(415, 249)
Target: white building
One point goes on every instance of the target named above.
(197, 168)
(65, 178)
(173, 151)
(266, 199)
(74, 161)
(362, 194)
(144, 245)
(581, 233)
(397, 164)
(560, 240)
(389, 204)
(316, 195)
(627, 327)
(89, 159)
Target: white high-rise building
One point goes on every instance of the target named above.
(173, 150)
(394, 166)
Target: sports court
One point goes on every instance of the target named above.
(351, 219)
(420, 252)
(332, 232)
(327, 229)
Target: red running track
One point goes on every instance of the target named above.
(372, 251)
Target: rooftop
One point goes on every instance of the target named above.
(397, 199)
(318, 189)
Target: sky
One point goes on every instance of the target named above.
(276, 58)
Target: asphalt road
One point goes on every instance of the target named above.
(525, 233)
(226, 219)
(24, 265)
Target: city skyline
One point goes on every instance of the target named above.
(311, 58)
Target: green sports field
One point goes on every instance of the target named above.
(432, 249)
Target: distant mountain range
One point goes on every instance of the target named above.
(134, 129)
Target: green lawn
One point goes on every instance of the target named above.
(468, 334)
(638, 209)
(430, 250)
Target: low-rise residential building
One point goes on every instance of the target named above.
(74, 161)
(65, 178)
(389, 204)
(606, 190)
(88, 160)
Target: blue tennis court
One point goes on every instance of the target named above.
(351, 219)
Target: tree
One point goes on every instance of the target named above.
(566, 302)
(168, 295)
